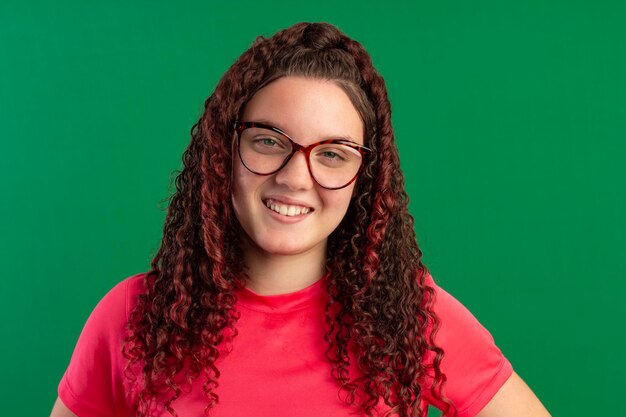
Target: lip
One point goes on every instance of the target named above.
(286, 219)
(282, 199)
(287, 200)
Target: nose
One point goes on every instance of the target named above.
(295, 174)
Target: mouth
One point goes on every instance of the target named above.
(289, 210)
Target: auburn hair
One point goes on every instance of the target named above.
(379, 303)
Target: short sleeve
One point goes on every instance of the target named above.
(92, 385)
(474, 366)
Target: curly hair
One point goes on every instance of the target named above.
(379, 303)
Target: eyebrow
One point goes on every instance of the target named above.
(346, 138)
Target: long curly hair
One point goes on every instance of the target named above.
(379, 303)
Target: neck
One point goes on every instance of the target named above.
(271, 274)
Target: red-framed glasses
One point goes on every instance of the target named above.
(265, 150)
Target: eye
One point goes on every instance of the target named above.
(267, 142)
(331, 155)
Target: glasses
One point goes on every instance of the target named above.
(264, 150)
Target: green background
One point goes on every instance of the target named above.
(510, 118)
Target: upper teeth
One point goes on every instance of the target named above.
(286, 209)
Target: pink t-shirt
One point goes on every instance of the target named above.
(276, 365)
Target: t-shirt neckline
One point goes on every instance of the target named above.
(314, 294)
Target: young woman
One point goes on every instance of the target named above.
(289, 281)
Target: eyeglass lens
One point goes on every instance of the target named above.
(264, 151)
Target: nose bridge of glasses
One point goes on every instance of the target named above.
(297, 149)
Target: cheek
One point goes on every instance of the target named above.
(244, 181)
(236, 193)
(340, 201)
(241, 189)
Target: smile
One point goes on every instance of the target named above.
(286, 209)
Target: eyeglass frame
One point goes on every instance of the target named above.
(240, 126)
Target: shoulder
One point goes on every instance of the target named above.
(457, 325)
(104, 331)
(456, 321)
(119, 301)
(108, 319)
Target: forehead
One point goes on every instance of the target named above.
(307, 109)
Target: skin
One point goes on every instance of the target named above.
(514, 399)
(285, 257)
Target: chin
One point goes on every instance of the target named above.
(283, 248)
(277, 244)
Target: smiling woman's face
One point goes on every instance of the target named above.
(308, 110)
